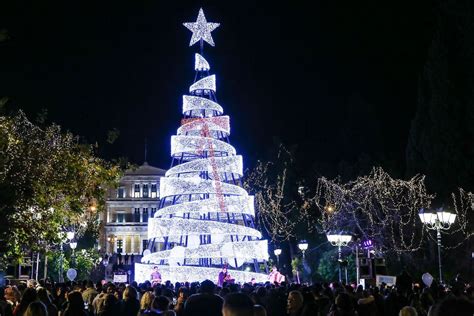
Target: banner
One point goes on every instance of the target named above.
(387, 279)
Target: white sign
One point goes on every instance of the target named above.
(387, 279)
(120, 278)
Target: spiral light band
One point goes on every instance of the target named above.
(193, 146)
(234, 204)
(200, 63)
(206, 83)
(194, 106)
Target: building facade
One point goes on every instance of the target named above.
(128, 208)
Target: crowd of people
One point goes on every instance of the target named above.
(231, 299)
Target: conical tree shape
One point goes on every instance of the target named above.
(206, 219)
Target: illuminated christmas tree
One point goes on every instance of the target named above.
(206, 218)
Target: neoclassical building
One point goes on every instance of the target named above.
(128, 208)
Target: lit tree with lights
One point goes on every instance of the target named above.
(386, 210)
(48, 181)
(205, 219)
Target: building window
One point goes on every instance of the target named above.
(136, 191)
(120, 218)
(121, 192)
(153, 211)
(145, 244)
(145, 190)
(154, 193)
(136, 215)
(145, 215)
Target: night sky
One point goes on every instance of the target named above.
(338, 78)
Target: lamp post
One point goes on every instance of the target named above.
(339, 240)
(61, 263)
(277, 253)
(105, 263)
(303, 245)
(73, 245)
(439, 220)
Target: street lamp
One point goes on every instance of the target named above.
(339, 240)
(439, 220)
(70, 235)
(303, 245)
(277, 253)
(73, 245)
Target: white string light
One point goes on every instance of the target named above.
(245, 251)
(206, 83)
(197, 145)
(193, 274)
(231, 165)
(234, 204)
(177, 227)
(200, 63)
(193, 106)
(201, 29)
(218, 127)
(383, 209)
(196, 185)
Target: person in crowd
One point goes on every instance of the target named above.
(75, 306)
(366, 304)
(408, 311)
(259, 310)
(161, 307)
(29, 296)
(44, 298)
(89, 294)
(452, 305)
(12, 296)
(5, 308)
(98, 302)
(129, 306)
(183, 294)
(31, 283)
(146, 301)
(342, 306)
(294, 305)
(205, 302)
(109, 306)
(36, 308)
(237, 304)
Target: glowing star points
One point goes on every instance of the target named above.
(201, 29)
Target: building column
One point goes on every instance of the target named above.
(107, 220)
(141, 215)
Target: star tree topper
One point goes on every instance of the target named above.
(201, 29)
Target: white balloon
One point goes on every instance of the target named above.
(71, 274)
(427, 279)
